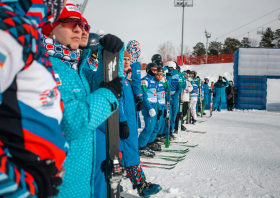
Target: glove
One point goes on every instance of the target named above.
(111, 43)
(180, 115)
(137, 99)
(214, 94)
(168, 74)
(140, 106)
(124, 130)
(224, 78)
(165, 113)
(115, 86)
(210, 91)
(159, 114)
(44, 172)
(152, 112)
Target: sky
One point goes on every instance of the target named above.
(153, 22)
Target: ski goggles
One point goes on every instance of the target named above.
(71, 23)
(154, 70)
(160, 73)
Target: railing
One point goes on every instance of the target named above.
(211, 59)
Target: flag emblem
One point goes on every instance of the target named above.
(57, 79)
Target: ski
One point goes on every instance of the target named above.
(167, 122)
(112, 68)
(180, 111)
(190, 145)
(200, 97)
(167, 158)
(173, 157)
(149, 166)
(180, 142)
(176, 151)
(196, 131)
(200, 121)
(151, 163)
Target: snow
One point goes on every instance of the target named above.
(273, 95)
(239, 156)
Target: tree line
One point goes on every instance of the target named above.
(269, 39)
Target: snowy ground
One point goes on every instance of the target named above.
(239, 156)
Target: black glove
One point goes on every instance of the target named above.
(140, 106)
(137, 99)
(210, 91)
(180, 115)
(44, 172)
(124, 130)
(214, 94)
(115, 86)
(111, 43)
(159, 114)
(224, 78)
(168, 74)
(165, 113)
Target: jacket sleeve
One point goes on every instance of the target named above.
(189, 87)
(15, 180)
(136, 79)
(206, 90)
(122, 116)
(81, 116)
(144, 88)
(179, 89)
(227, 91)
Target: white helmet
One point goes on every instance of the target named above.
(171, 64)
(100, 33)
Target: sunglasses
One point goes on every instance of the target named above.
(160, 74)
(87, 28)
(72, 23)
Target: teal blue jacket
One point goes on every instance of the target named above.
(85, 108)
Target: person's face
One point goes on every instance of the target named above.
(193, 75)
(230, 84)
(188, 74)
(206, 81)
(84, 39)
(67, 36)
(220, 78)
(126, 63)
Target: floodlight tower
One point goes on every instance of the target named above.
(208, 35)
(183, 3)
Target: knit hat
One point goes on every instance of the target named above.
(126, 54)
(70, 10)
(85, 20)
(134, 49)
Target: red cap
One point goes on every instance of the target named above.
(85, 20)
(70, 10)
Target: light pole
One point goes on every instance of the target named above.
(208, 35)
(183, 3)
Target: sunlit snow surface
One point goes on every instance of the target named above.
(239, 156)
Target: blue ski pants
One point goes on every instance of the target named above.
(150, 123)
(174, 103)
(218, 104)
(159, 128)
(100, 186)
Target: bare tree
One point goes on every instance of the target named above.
(167, 50)
(254, 42)
(186, 51)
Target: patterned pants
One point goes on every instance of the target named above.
(135, 174)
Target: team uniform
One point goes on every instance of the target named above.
(194, 95)
(176, 89)
(220, 94)
(149, 89)
(31, 107)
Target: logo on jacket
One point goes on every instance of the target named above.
(48, 97)
(57, 79)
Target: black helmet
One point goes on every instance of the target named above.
(156, 57)
(206, 79)
(150, 65)
(195, 73)
(160, 69)
(189, 71)
(93, 42)
(158, 62)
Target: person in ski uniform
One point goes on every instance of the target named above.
(87, 105)
(129, 138)
(206, 91)
(231, 96)
(194, 95)
(149, 111)
(32, 145)
(176, 89)
(186, 94)
(134, 49)
(219, 93)
(162, 88)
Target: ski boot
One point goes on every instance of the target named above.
(146, 152)
(176, 131)
(154, 146)
(204, 113)
(121, 189)
(183, 128)
(145, 189)
(171, 137)
(194, 121)
(159, 140)
(231, 108)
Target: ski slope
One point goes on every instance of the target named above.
(239, 156)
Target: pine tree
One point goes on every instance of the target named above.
(267, 38)
(199, 50)
(277, 38)
(231, 45)
(215, 48)
(245, 42)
